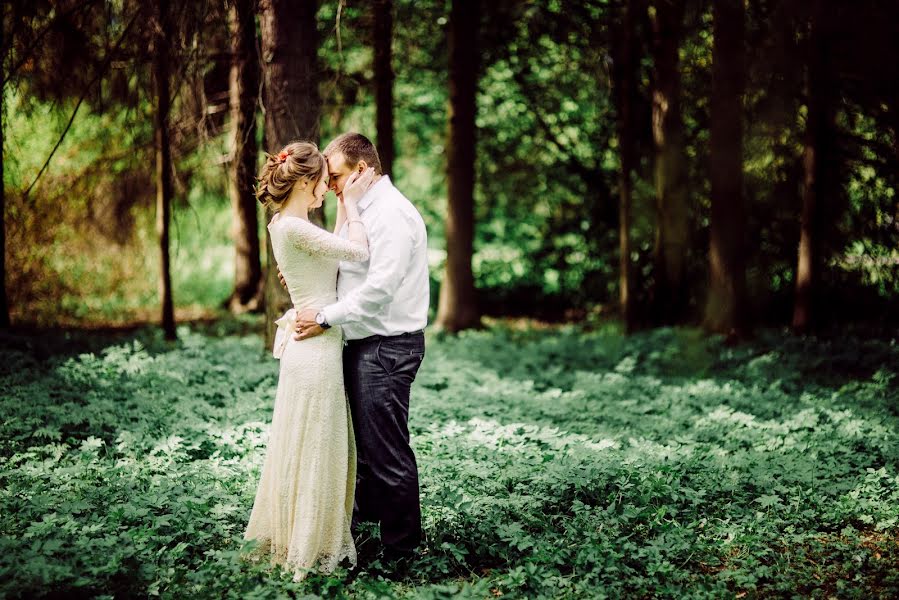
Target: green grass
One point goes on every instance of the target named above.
(560, 463)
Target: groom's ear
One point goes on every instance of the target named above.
(361, 166)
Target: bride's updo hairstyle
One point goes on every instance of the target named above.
(297, 160)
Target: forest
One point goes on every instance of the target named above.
(663, 249)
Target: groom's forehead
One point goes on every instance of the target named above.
(336, 162)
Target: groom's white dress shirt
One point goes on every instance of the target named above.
(389, 293)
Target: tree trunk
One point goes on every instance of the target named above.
(624, 65)
(726, 303)
(818, 169)
(292, 106)
(458, 304)
(672, 197)
(244, 90)
(383, 35)
(164, 187)
(4, 303)
(894, 119)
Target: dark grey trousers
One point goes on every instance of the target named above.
(378, 374)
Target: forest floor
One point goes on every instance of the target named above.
(555, 462)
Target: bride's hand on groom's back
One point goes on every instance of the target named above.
(357, 184)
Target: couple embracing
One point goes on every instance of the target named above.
(338, 452)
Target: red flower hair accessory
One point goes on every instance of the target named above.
(282, 156)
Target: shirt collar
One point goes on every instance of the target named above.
(373, 192)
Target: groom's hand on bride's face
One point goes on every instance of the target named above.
(281, 279)
(306, 327)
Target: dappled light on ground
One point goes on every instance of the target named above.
(553, 462)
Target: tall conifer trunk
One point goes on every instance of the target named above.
(818, 167)
(458, 304)
(4, 303)
(894, 115)
(726, 303)
(292, 105)
(164, 187)
(625, 63)
(383, 40)
(244, 90)
(670, 294)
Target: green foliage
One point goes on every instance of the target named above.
(82, 247)
(548, 220)
(559, 463)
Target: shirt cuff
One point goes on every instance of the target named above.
(335, 314)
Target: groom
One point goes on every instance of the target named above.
(383, 308)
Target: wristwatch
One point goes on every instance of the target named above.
(320, 319)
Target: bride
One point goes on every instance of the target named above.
(304, 503)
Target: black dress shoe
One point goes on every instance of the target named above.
(368, 544)
(393, 564)
(397, 563)
(395, 555)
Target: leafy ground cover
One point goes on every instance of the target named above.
(554, 463)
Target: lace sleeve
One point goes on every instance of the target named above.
(313, 240)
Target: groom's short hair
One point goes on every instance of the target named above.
(355, 147)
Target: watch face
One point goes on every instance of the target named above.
(319, 318)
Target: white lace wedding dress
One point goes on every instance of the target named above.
(304, 502)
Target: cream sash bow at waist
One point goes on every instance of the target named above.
(283, 334)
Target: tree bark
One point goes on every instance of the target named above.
(292, 105)
(383, 40)
(726, 303)
(624, 65)
(458, 309)
(4, 303)
(894, 119)
(164, 187)
(818, 168)
(244, 90)
(670, 292)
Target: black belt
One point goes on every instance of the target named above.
(374, 338)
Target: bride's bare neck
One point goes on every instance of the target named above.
(297, 204)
